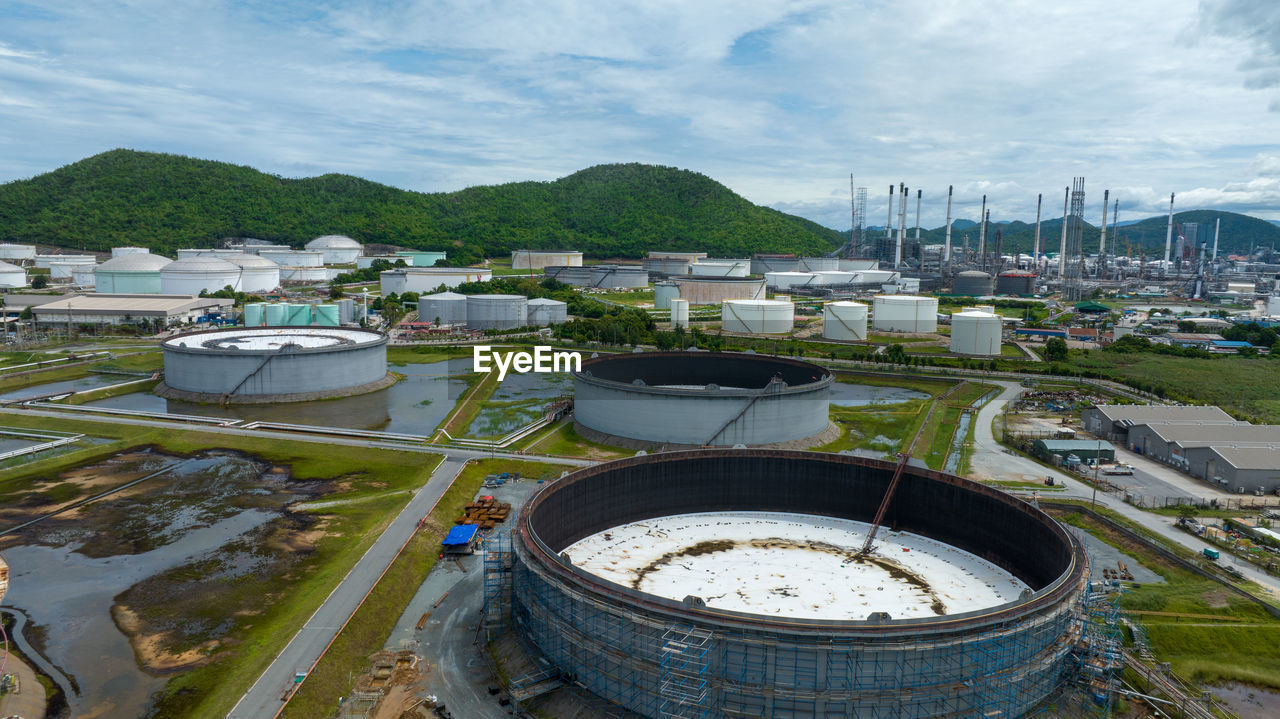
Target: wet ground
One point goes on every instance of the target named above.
(860, 395)
(518, 401)
(81, 576)
(1249, 702)
(92, 381)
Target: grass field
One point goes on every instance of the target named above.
(564, 441)
(372, 623)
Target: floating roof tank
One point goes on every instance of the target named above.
(663, 293)
(449, 308)
(544, 312)
(972, 283)
(496, 312)
(757, 316)
(975, 333)
(905, 313)
(12, 276)
(257, 274)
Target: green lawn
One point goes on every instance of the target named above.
(564, 441)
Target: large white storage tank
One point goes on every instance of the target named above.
(787, 280)
(818, 264)
(833, 277)
(17, 252)
(449, 308)
(82, 275)
(720, 268)
(12, 276)
(844, 320)
(219, 252)
(336, 249)
(303, 274)
(663, 293)
(63, 270)
(429, 279)
(257, 274)
(757, 316)
(496, 312)
(975, 333)
(619, 276)
(538, 259)
(122, 251)
(905, 313)
(679, 313)
(192, 275)
(135, 274)
(544, 312)
(46, 261)
(294, 258)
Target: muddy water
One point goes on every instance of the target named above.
(860, 395)
(67, 572)
(518, 401)
(91, 382)
(414, 405)
(1249, 702)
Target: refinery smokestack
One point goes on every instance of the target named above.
(1062, 251)
(888, 223)
(902, 225)
(1102, 239)
(918, 194)
(982, 234)
(1035, 252)
(947, 250)
(1168, 239)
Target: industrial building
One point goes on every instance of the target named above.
(115, 309)
(1245, 470)
(1170, 443)
(973, 613)
(1058, 450)
(263, 365)
(428, 279)
(844, 321)
(336, 249)
(904, 313)
(1113, 421)
(715, 290)
(758, 317)
(544, 312)
(975, 332)
(496, 312)
(538, 259)
(702, 398)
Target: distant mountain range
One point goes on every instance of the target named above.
(166, 202)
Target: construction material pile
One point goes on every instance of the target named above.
(484, 512)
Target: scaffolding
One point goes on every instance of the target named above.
(683, 673)
(497, 583)
(1101, 645)
(1073, 257)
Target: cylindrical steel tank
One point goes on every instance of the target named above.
(273, 364)
(905, 313)
(83, 275)
(326, 316)
(421, 258)
(544, 312)
(298, 315)
(702, 398)
(193, 275)
(874, 277)
(858, 265)
(577, 276)
(257, 274)
(133, 274)
(254, 314)
(12, 276)
(538, 259)
(762, 263)
(310, 273)
(293, 258)
(366, 261)
(496, 312)
(336, 249)
(219, 252)
(444, 308)
(833, 277)
(715, 290)
(667, 265)
(757, 316)
(972, 283)
(45, 261)
(787, 280)
(720, 268)
(275, 314)
(631, 647)
(679, 313)
(663, 293)
(17, 252)
(975, 333)
(844, 320)
(818, 264)
(618, 276)
(122, 251)
(1016, 283)
(64, 270)
(429, 279)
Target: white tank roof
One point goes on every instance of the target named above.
(330, 242)
(138, 262)
(544, 301)
(443, 296)
(250, 261)
(7, 267)
(199, 264)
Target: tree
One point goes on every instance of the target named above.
(39, 282)
(1055, 350)
(1186, 326)
(1187, 512)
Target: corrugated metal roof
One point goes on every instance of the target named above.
(1073, 445)
(1213, 435)
(1250, 457)
(1152, 413)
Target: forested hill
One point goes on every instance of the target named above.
(166, 202)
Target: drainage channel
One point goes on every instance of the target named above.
(94, 498)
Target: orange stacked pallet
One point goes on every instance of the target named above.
(484, 512)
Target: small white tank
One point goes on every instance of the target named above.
(757, 316)
(975, 333)
(720, 268)
(679, 313)
(905, 313)
(844, 320)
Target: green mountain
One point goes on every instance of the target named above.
(166, 202)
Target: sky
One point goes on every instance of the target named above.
(781, 101)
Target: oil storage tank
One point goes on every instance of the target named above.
(10, 251)
(276, 364)
(336, 249)
(663, 265)
(544, 312)
(818, 264)
(1015, 283)
(538, 259)
(679, 313)
(293, 258)
(975, 333)
(905, 313)
(133, 274)
(429, 279)
(257, 274)
(757, 316)
(254, 314)
(702, 398)
(845, 320)
(64, 270)
(576, 276)
(275, 314)
(623, 276)
(764, 262)
(721, 268)
(496, 312)
(421, 258)
(967, 608)
(715, 290)
(193, 275)
(83, 275)
(443, 308)
(787, 280)
(972, 283)
(663, 293)
(121, 251)
(12, 276)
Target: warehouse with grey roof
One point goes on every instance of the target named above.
(1114, 421)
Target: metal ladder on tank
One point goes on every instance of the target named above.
(258, 369)
(775, 380)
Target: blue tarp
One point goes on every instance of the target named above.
(460, 535)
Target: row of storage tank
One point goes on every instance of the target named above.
(490, 312)
(281, 314)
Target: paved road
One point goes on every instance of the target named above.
(29, 702)
(264, 698)
(991, 460)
